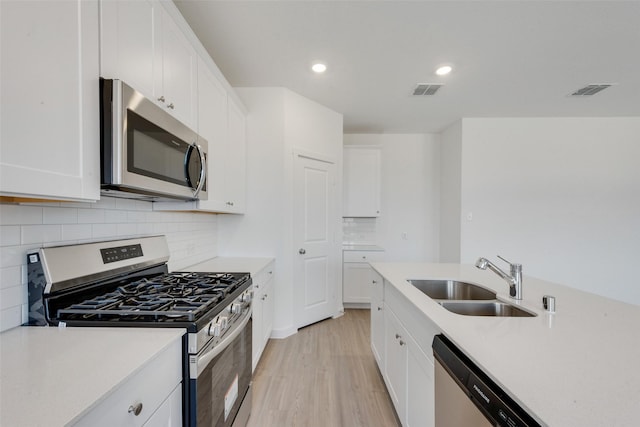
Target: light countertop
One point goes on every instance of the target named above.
(52, 376)
(577, 367)
(353, 247)
(230, 265)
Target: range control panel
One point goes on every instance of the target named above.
(121, 253)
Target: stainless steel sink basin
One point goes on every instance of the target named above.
(485, 308)
(452, 290)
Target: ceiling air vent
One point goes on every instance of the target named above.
(426, 89)
(590, 90)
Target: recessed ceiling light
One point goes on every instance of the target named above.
(444, 70)
(319, 67)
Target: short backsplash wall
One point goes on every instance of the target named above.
(359, 231)
(192, 237)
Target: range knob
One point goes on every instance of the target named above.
(246, 297)
(216, 328)
(235, 308)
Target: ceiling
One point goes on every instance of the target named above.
(510, 58)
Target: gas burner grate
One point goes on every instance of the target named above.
(168, 297)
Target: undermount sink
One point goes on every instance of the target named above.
(467, 299)
(444, 289)
(488, 308)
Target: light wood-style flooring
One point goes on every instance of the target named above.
(323, 376)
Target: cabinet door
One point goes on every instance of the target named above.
(169, 414)
(256, 326)
(377, 319)
(267, 310)
(396, 362)
(179, 67)
(236, 158)
(356, 282)
(50, 128)
(361, 182)
(130, 40)
(212, 125)
(420, 388)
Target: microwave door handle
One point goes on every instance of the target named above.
(203, 170)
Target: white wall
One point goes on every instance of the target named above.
(410, 194)
(450, 192)
(279, 122)
(559, 195)
(191, 237)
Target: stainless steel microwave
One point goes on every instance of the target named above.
(145, 152)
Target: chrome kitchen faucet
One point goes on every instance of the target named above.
(514, 279)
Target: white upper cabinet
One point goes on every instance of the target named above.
(49, 118)
(361, 182)
(142, 45)
(222, 123)
(212, 126)
(236, 179)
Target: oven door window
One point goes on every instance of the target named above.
(222, 385)
(154, 152)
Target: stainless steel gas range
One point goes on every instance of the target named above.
(126, 283)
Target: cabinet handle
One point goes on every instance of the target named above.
(398, 336)
(373, 281)
(171, 106)
(264, 297)
(161, 99)
(401, 343)
(379, 308)
(135, 409)
(364, 257)
(271, 272)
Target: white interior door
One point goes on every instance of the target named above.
(314, 276)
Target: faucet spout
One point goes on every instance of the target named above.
(514, 278)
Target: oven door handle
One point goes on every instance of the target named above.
(206, 358)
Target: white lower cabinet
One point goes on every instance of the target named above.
(356, 275)
(396, 363)
(152, 397)
(377, 318)
(263, 305)
(406, 361)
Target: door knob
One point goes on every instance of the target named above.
(301, 251)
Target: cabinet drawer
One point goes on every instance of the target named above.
(261, 278)
(362, 256)
(150, 386)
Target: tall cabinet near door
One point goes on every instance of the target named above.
(361, 195)
(49, 137)
(143, 46)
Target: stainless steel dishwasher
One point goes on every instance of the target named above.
(466, 397)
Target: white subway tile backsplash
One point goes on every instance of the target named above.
(115, 217)
(19, 214)
(103, 231)
(10, 276)
(192, 238)
(10, 317)
(59, 215)
(41, 234)
(11, 296)
(76, 232)
(9, 235)
(104, 203)
(91, 216)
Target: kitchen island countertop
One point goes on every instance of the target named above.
(576, 367)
